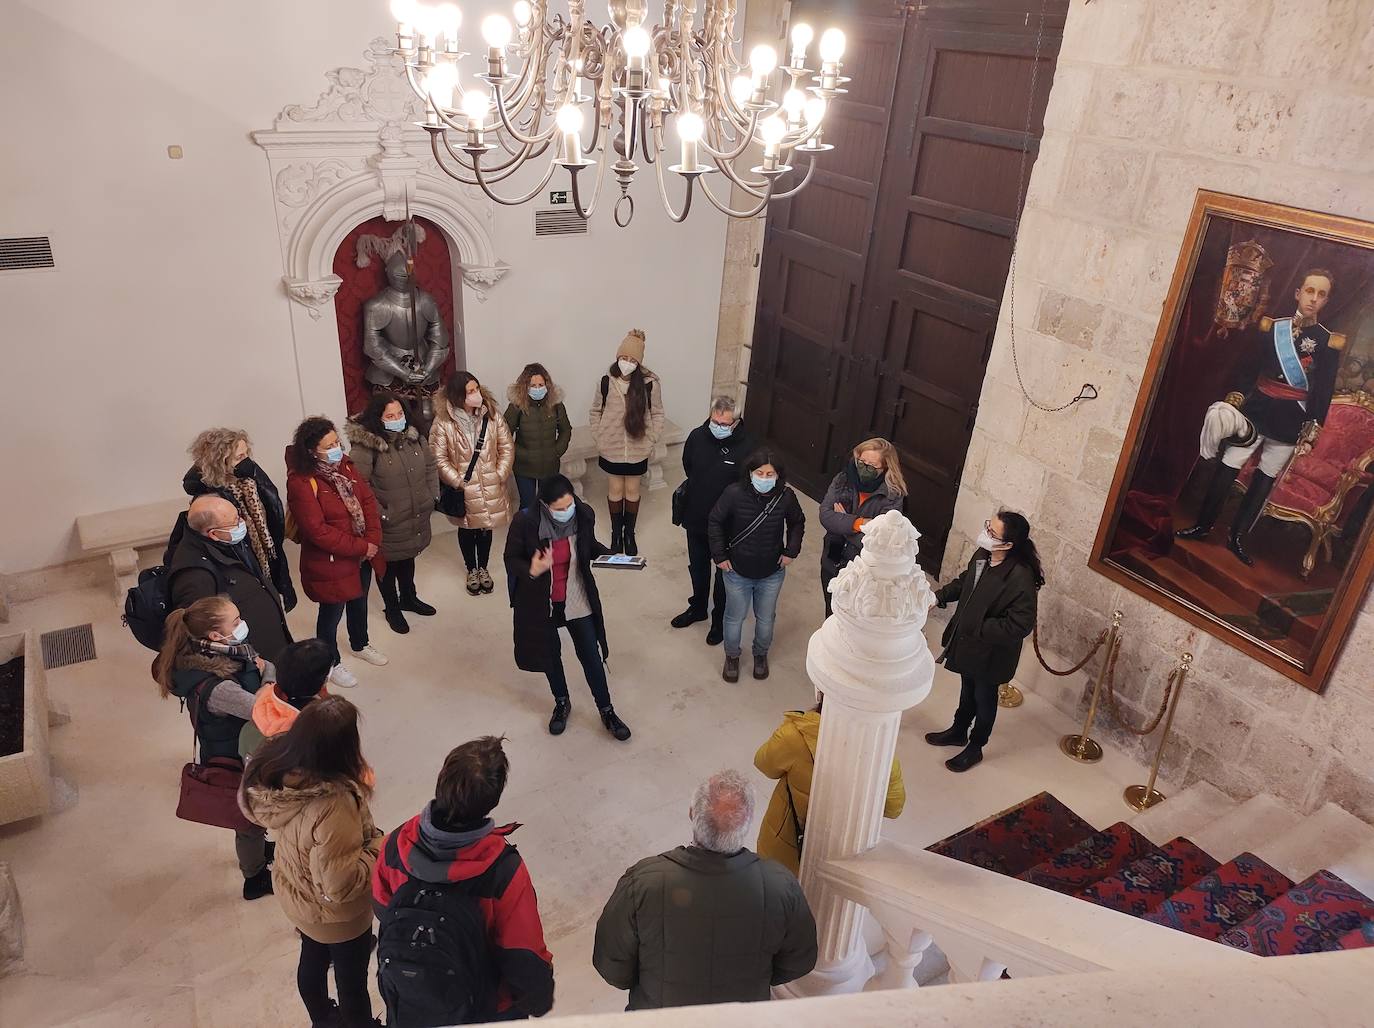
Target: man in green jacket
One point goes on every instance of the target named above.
(711, 922)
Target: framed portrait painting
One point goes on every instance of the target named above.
(1242, 499)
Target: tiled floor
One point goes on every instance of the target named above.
(134, 917)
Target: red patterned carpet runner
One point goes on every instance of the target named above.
(1223, 899)
(1018, 838)
(1311, 917)
(1091, 860)
(1152, 879)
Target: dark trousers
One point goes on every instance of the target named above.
(397, 584)
(528, 488)
(977, 708)
(327, 621)
(476, 546)
(700, 567)
(828, 575)
(583, 633)
(350, 960)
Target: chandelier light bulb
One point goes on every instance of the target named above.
(449, 19)
(793, 101)
(636, 42)
(523, 13)
(404, 11)
(496, 31)
(690, 126)
(832, 45)
(815, 110)
(741, 89)
(569, 118)
(475, 106)
(762, 60)
(440, 84)
(772, 129)
(802, 35)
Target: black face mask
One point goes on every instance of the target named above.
(245, 468)
(869, 478)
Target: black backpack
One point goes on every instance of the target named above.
(434, 964)
(147, 605)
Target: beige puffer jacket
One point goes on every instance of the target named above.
(326, 847)
(452, 437)
(608, 423)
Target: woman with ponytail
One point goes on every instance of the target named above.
(207, 663)
(997, 608)
(627, 420)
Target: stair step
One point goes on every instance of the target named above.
(1218, 902)
(1091, 860)
(1331, 838)
(1311, 917)
(1143, 885)
(1249, 828)
(1193, 809)
(1018, 838)
(1357, 938)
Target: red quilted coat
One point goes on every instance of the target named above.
(331, 554)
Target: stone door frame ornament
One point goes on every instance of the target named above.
(351, 155)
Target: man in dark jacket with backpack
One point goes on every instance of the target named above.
(459, 940)
(213, 557)
(713, 455)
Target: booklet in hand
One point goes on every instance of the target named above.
(620, 560)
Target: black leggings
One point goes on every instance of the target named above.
(350, 960)
(476, 546)
(398, 583)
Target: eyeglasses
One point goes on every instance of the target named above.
(987, 527)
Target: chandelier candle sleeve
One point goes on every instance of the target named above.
(450, 20)
(801, 39)
(496, 33)
(570, 124)
(832, 49)
(689, 127)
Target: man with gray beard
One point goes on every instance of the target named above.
(712, 922)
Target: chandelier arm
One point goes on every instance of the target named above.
(746, 138)
(644, 140)
(499, 172)
(663, 195)
(515, 133)
(457, 175)
(743, 215)
(596, 194)
(515, 201)
(754, 189)
(810, 170)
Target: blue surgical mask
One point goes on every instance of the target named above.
(538, 392)
(334, 454)
(240, 632)
(564, 516)
(763, 485)
(238, 532)
(399, 425)
(721, 431)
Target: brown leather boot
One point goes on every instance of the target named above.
(761, 667)
(731, 670)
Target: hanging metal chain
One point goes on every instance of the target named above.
(1097, 645)
(1088, 392)
(1116, 710)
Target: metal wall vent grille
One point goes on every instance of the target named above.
(559, 223)
(25, 253)
(67, 646)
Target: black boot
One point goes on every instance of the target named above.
(631, 547)
(953, 736)
(1223, 478)
(397, 621)
(966, 758)
(716, 633)
(1248, 514)
(617, 533)
(614, 725)
(559, 721)
(690, 616)
(258, 886)
(416, 605)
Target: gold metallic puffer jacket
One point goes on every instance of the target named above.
(452, 437)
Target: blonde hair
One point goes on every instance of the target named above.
(519, 394)
(179, 634)
(895, 482)
(213, 453)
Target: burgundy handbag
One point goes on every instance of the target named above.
(210, 791)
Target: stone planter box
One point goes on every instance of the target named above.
(25, 781)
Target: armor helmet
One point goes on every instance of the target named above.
(397, 272)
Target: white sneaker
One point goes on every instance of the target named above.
(342, 677)
(372, 655)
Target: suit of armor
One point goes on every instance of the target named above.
(403, 334)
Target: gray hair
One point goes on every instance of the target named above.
(722, 812)
(723, 404)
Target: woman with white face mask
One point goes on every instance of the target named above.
(982, 642)
(627, 421)
(207, 662)
(549, 554)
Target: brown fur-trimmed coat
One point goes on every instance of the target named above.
(401, 469)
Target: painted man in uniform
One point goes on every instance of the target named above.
(1294, 375)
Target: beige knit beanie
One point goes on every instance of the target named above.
(632, 346)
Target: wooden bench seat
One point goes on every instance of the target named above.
(121, 533)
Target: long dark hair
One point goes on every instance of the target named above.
(371, 417)
(1016, 530)
(308, 435)
(761, 457)
(456, 390)
(636, 400)
(322, 745)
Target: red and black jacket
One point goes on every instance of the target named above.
(510, 907)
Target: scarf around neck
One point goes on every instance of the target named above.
(343, 485)
(246, 498)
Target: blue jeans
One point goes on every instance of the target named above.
(740, 592)
(528, 488)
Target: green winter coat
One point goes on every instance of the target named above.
(542, 435)
(402, 473)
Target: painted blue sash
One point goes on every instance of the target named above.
(1287, 352)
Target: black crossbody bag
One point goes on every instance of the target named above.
(453, 501)
(749, 529)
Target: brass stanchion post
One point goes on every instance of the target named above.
(1009, 695)
(1143, 797)
(1082, 747)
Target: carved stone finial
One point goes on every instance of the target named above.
(885, 581)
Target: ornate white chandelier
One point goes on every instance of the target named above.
(545, 78)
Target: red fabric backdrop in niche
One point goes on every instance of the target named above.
(433, 274)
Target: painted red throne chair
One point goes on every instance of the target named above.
(1319, 489)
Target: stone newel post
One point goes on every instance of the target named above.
(871, 662)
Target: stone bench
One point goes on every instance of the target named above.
(583, 449)
(120, 534)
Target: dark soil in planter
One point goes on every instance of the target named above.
(12, 707)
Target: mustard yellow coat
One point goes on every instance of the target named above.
(790, 756)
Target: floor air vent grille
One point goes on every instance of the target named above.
(67, 646)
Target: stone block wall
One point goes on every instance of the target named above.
(1152, 100)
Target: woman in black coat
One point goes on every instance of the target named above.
(870, 485)
(549, 554)
(997, 607)
(755, 530)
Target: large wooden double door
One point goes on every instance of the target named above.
(881, 282)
